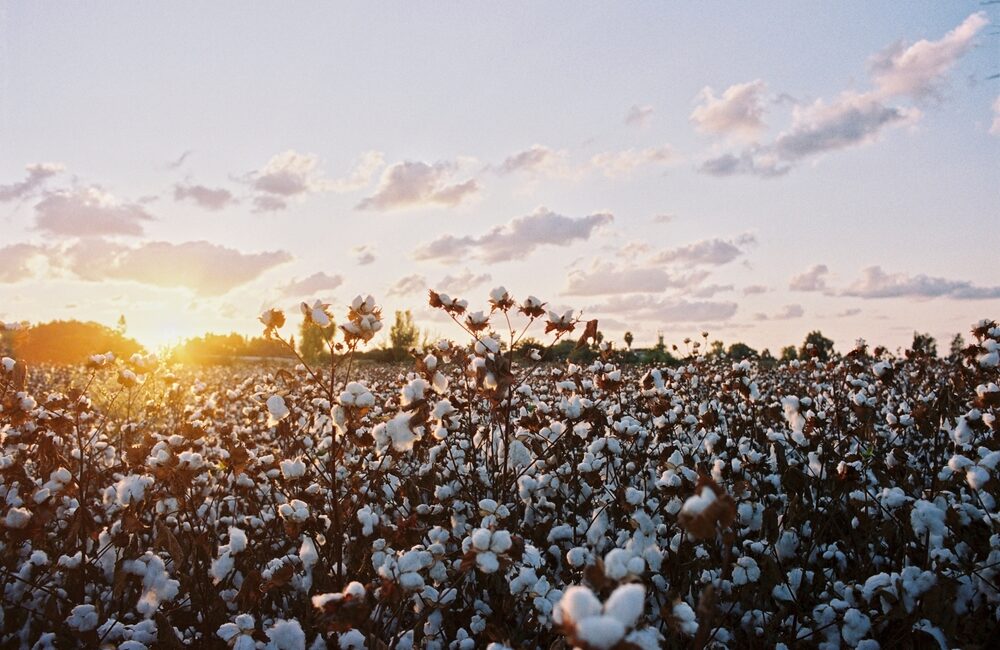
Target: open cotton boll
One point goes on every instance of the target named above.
(626, 604)
(577, 603)
(698, 503)
(277, 410)
(286, 635)
(292, 468)
(600, 632)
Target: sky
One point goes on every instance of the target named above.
(754, 170)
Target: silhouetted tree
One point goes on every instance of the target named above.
(789, 353)
(628, 340)
(404, 334)
(956, 346)
(740, 351)
(816, 345)
(924, 344)
(312, 341)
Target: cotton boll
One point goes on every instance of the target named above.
(626, 604)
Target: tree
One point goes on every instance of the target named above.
(70, 342)
(924, 344)
(789, 353)
(816, 345)
(628, 340)
(122, 326)
(312, 341)
(740, 351)
(957, 345)
(404, 334)
(717, 349)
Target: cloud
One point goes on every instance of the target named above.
(177, 162)
(851, 119)
(207, 197)
(738, 112)
(749, 162)
(315, 283)
(754, 289)
(709, 290)
(17, 261)
(788, 312)
(535, 158)
(414, 184)
(876, 283)
(516, 239)
(622, 163)
(291, 174)
(408, 285)
(362, 174)
(89, 212)
(363, 254)
(462, 282)
(605, 279)
(205, 268)
(995, 127)
(917, 69)
(847, 313)
(709, 252)
(638, 115)
(814, 279)
(664, 218)
(643, 307)
(38, 173)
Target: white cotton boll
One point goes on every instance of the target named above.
(488, 562)
(292, 468)
(856, 627)
(626, 604)
(501, 541)
(82, 618)
(8, 364)
(277, 410)
(745, 571)
(351, 640)
(577, 603)
(237, 540)
(686, 618)
(132, 489)
(697, 504)
(616, 563)
(308, 554)
(286, 635)
(976, 477)
(481, 539)
(600, 632)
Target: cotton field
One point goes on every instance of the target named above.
(477, 499)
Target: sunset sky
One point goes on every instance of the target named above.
(758, 170)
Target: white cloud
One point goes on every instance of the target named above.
(738, 112)
(517, 239)
(813, 279)
(408, 285)
(917, 69)
(638, 115)
(89, 212)
(622, 163)
(362, 174)
(644, 307)
(314, 284)
(995, 127)
(462, 282)
(535, 158)
(604, 279)
(788, 312)
(17, 261)
(876, 283)
(415, 184)
(205, 268)
(207, 197)
(754, 289)
(37, 174)
(709, 252)
(363, 255)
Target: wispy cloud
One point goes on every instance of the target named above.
(813, 279)
(311, 285)
(516, 239)
(37, 174)
(639, 115)
(207, 197)
(876, 283)
(707, 252)
(89, 212)
(412, 184)
(738, 112)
